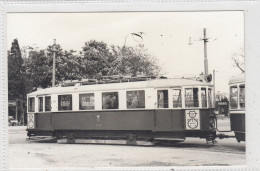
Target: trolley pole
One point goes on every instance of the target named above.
(205, 39)
(53, 72)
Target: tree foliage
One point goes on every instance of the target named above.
(97, 59)
(16, 76)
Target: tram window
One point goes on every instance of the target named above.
(40, 102)
(86, 101)
(210, 97)
(47, 103)
(191, 97)
(31, 104)
(65, 102)
(242, 96)
(203, 97)
(162, 98)
(233, 97)
(110, 100)
(176, 98)
(135, 99)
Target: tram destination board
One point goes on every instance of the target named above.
(119, 89)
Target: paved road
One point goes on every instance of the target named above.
(192, 152)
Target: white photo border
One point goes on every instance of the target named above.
(252, 53)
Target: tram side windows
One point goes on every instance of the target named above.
(40, 102)
(65, 102)
(86, 101)
(191, 97)
(47, 103)
(162, 98)
(31, 105)
(203, 97)
(177, 100)
(135, 99)
(233, 97)
(110, 100)
(242, 96)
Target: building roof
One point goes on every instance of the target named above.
(154, 83)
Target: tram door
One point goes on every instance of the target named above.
(163, 116)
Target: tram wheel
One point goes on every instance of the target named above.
(71, 138)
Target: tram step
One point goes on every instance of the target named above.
(97, 141)
(169, 139)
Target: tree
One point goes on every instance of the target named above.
(99, 59)
(239, 60)
(16, 81)
(135, 61)
(38, 70)
(96, 59)
(16, 84)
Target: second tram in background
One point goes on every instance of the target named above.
(237, 106)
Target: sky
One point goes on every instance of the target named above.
(166, 36)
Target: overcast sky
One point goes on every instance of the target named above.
(166, 36)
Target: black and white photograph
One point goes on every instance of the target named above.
(126, 89)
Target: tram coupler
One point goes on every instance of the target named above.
(222, 136)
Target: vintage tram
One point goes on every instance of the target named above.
(237, 106)
(129, 109)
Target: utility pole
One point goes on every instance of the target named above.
(205, 40)
(53, 67)
(214, 90)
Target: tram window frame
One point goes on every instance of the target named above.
(165, 100)
(203, 97)
(61, 108)
(195, 102)
(46, 108)
(40, 104)
(242, 95)
(87, 95)
(140, 97)
(31, 104)
(117, 100)
(179, 104)
(236, 97)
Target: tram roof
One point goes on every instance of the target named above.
(237, 79)
(156, 83)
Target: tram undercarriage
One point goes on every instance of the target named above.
(127, 137)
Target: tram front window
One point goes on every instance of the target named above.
(47, 103)
(210, 97)
(40, 101)
(191, 97)
(233, 97)
(203, 97)
(31, 104)
(176, 98)
(162, 98)
(242, 96)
